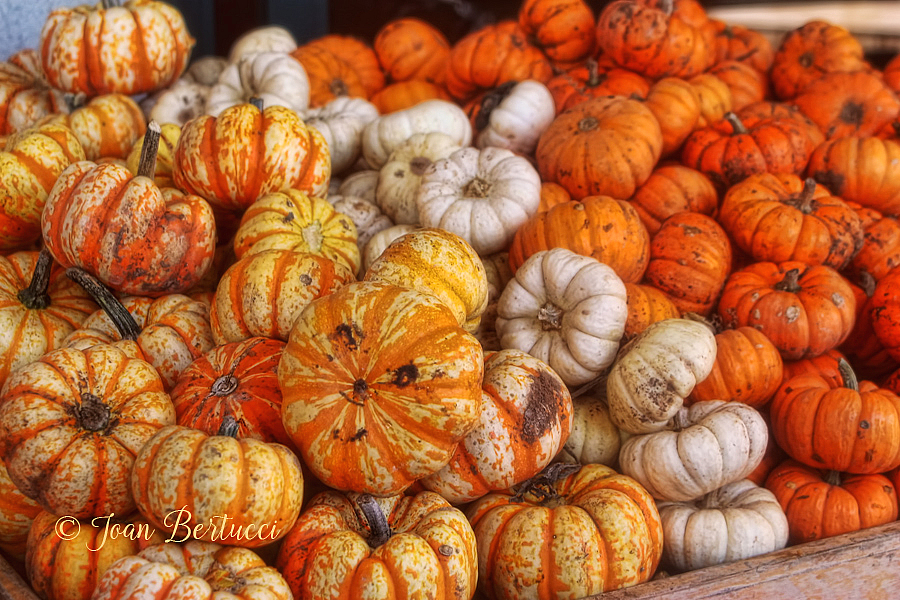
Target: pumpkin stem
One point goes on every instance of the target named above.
(543, 485)
(805, 198)
(867, 282)
(92, 414)
(848, 375)
(224, 385)
(896, 126)
(790, 283)
(419, 164)
(833, 478)
(35, 296)
(229, 426)
(667, 6)
(74, 101)
(257, 102)
(550, 317)
(107, 4)
(736, 124)
(338, 87)
(149, 150)
(593, 68)
(378, 524)
(490, 101)
(477, 188)
(588, 124)
(102, 295)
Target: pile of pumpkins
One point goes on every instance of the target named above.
(576, 299)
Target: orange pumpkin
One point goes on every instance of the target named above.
(25, 97)
(646, 305)
(565, 30)
(17, 513)
(401, 95)
(749, 46)
(329, 75)
(586, 80)
(380, 383)
(676, 105)
(107, 126)
(885, 312)
(670, 189)
(409, 48)
(358, 55)
(747, 85)
(854, 104)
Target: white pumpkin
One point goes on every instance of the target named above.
(656, 370)
(594, 439)
(341, 122)
(519, 116)
(381, 240)
(361, 184)
(176, 104)
(276, 78)
(205, 70)
(366, 215)
(566, 309)
(483, 196)
(383, 135)
(710, 443)
(737, 521)
(399, 178)
(269, 38)
(496, 268)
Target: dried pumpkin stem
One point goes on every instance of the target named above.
(257, 102)
(110, 3)
(833, 478)
(229, 426)
(593, 68)
(92, 414)
(224, 385)
(848, 375)
(149, 150)
(550, 317)
(102, 295)
(492, 100)
(35, 296)
(667, 6)
(790, 283)
(736, 124)
(805, 198)
(867, 282)
(419, 164)
(378, 524)
(543, 485)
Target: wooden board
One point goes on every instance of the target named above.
(863, 564)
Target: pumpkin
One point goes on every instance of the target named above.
(72, 422)
(239, 379)
(880, 251)
(676, 105)
(656, 370)
(594, 438)
(66, 559)
(825, 364)
(273, 77)
(586, 80)
(30, 164)
(366, 216)
(186, 482)
(268, 38)
(130, 48)
(748, 369)
(401, 95)
(219, 158)
(40, 307)
(493, 55)
(177, 104)
(865, 170)
(852, 428)
(862, 347)
(811, 51)
(563, 29)
(202, 570)
(381, 240)
(740, 520)
(854, 104)
(293, 220)
(673, 188)
(388, 132)
(652, 40)
(359, 55)
(551, 195)
(769, 109)
(419, 544)
(17, 513)
(603, 146)
(400, 177)
(621, 242)
(743, 44)
(780, 217)
(440, 263)
(380, 383)
(482, 196)
(165, 155)
(710, 444)
(513, 116)
(804, 309)
(132, 235)
(25, 96)
(824, 504)
(412, 49)
(262, 293)
(567, 310)
(885, 304)
(747, 85)
(646, 304)
(690, 258)
(526, 416)
(107, 126)
(329, 75)
(341, 122)
(570, 534)
(714, 97)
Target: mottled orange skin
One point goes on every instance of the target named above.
(412, 49)
(565, 30)
(135, 237)
(430, 554)
(107, 126)
(380, 383)
(141, 46)
(25, 97)
(17, 513)
(599, 532)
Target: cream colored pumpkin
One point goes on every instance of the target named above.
(367, 217)
(737, 521)
(518, 121)
(594, 439)
(710, 443)
(483, 196)
(341, 122)
(496, 268)
(177, 104)
(383, 135)
(656, 371)
(439, 263)
(400, 177)
(381, 240)
(205, 70)
(269, 38)
(273, 77)
(361, 184)
(566, 309)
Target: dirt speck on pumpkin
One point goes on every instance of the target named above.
(405, 375)
(542, 408)
(347, 334)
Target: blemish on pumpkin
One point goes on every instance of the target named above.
(542, 407)
(305, 279)
(347, 334)
(360, 434)
(405, 375)
(287, 218)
